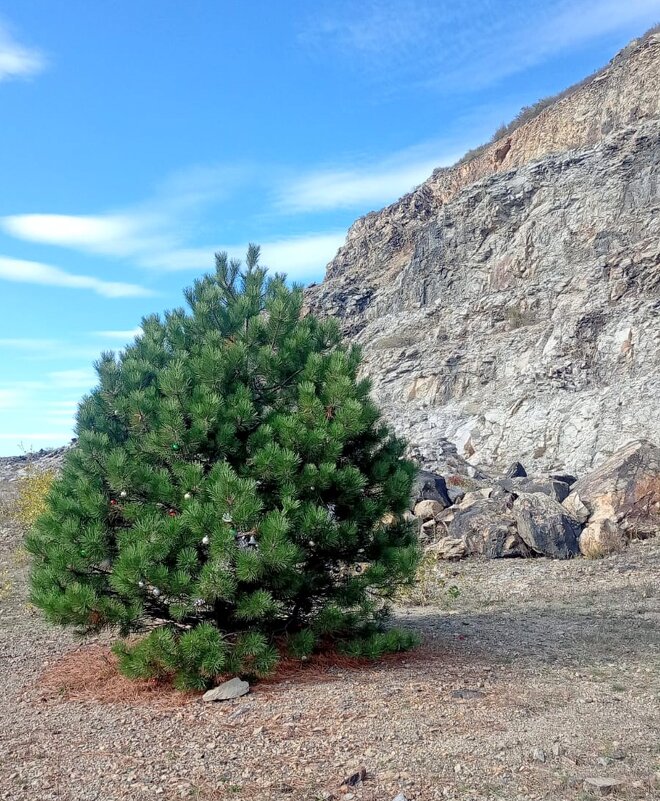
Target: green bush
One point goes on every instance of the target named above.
(230, 472)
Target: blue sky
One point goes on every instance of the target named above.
(138, 138)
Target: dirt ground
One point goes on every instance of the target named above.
(534, 676)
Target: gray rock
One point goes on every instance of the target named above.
(447, 548)
(565, 478)
(624, 490)
(575, 508)
(488, 528)
(602, 784)
(538, 755)
(430, 487)
(455, 493)
(475, 495)
(508, 305)
(548, 486)
(234, 688)
(545, 527)
(516, 470)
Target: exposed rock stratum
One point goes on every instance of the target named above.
(511, 304)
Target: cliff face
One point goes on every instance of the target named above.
(511, 304)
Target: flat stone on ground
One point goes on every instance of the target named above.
(234, 688)
(602, 784)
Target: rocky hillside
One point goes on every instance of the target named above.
(511, 304)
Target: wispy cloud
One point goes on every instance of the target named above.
(156, 233)
(82, 378)
(119, 335)
(51, 350)
(376, 31)
(18, 60)
(156, 225)
(362, 185)
(33, 272)
(298, 256)
(28, 344)
(108, 235)
(464, 45)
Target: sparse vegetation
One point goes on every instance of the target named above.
(30, 502)
(528, 113)
(430, 587)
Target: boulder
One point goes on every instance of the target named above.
(565, 478)
(602, 785)
(487, 527)
(516, 470)
(575, 508)
(545, 526)
(558, 490)
(601, 538)
(624, 489)
(427, 510)
(427, 531)
(455, 492)
(429, 487)
(447, 548)
(475, 495)
(234, 688)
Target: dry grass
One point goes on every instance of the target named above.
(644, 517)
(528, 113)
(30, 502)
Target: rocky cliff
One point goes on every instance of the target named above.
(511, 304)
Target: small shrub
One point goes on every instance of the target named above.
(430, 588)
(31, 501)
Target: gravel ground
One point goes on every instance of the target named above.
(534, 676)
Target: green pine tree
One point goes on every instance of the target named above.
(233, 490)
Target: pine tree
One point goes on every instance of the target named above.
(233, 491)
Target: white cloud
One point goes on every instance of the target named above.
(298, 256)
(301, 256)
(108, 235)
(26, 344)
(33, 272)
(119, 335)
(358, 186)
(375, 30)
(468, 44)
(17, 60)
(583, 21)
(83, 378)
(157, 225)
